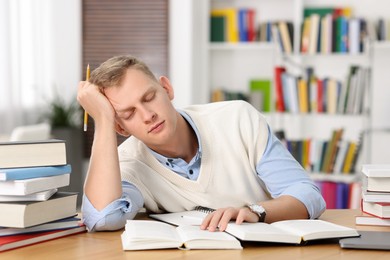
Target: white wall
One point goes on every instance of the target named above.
(66, 53)
(41, 43)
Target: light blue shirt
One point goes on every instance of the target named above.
(276, 162)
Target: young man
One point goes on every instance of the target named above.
(219, 155)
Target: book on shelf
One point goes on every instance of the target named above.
(38, 196)
(338, 193)
(217, 28)
(377, 209)
(305, 39)
(29, 186)
(303, 96)
(313, 33)
(32, 153)
(355, 191)
(10, 174)
(285, 34)
(231, 22)
(263, 87)
(27, 214)
(331, 149)
(370, 220)
(242, 25)
(308, 93)
(149, 234)
(347, 167)
(65, 223)
(280, 106)
(16, 241)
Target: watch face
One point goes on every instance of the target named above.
(257, 208)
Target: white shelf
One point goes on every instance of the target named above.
(345, 178)
(262, 46)
(382, 45)
(317, 125)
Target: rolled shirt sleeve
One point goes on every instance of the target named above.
(283, 175)
(115, 214)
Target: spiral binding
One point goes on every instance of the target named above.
(204, 209)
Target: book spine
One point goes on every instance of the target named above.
(33, 172)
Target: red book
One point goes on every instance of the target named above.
(15, 241)
(377, 209)
(329, 194)
(280, 106)
(320, 96)
(251, 25)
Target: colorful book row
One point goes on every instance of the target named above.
(259, 94)
(339, 195)
(327, 30)
(232, 25)
(334, 156)
(297, 94)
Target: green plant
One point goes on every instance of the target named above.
(63, 114)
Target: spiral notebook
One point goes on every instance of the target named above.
(193, 217)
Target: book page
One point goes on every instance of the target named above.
(152, 230)
(310, 229)
(196, 238)
(261, 232)
(186, 218)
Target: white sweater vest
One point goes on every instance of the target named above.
(233, 137)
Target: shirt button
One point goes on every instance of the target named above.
(191, 171)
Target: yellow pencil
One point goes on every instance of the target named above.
(85, 112)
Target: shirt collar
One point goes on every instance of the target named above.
(162, 159)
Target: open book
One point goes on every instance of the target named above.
(287, 231)
(290, 231)
(148, 234)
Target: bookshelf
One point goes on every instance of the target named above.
(232, 65)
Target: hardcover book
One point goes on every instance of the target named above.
(370, 220)
(33, 172)
(37, 196)
(378, 209)
(27, 214)
(29, 186)
(32, 153)
(11, 242)
(65, 223)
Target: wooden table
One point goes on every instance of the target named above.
(107, 245)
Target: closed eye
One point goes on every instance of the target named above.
(127, 114)
(150, 96)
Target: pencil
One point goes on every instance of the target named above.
(85, 112)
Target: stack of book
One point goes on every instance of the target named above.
(32, 209)
(375, 203)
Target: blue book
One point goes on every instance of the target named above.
(11, 174)
(242, 25)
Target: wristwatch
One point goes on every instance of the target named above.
(259, 210)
